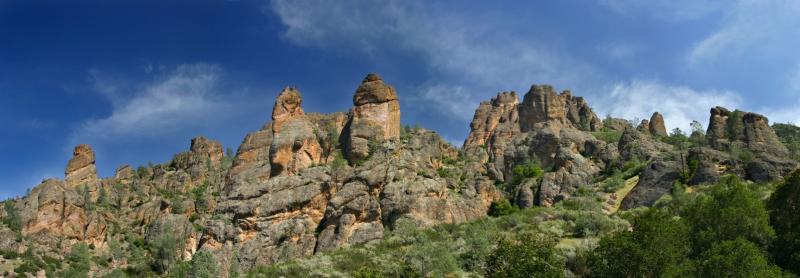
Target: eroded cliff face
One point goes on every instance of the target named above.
(546, 127)
(306, 183)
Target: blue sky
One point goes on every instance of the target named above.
(138, 79)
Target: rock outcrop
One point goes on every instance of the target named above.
(657, 126)
(542, 107)
(375, 117)
(749, 130)
(294, 143)
(81, 170)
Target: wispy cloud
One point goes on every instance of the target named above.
(186, 96)
(765, 28)
(481, 57)
(679, 104)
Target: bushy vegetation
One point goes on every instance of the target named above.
(784, 208)
(721, 231)
(519, 244)
(789, 135)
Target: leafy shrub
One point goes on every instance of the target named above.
(657, 246)
(609, 136)
(785, 218)
(528, 170)
(526, 255)
(500, 208)
(12, 219)
(728, 211)
(735, 258)
(204, 265)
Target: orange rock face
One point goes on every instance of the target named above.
(375, 116)
(294, 144)
(81, 169)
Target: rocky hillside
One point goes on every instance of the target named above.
(309, 183)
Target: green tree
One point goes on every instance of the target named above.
(12, 219)
(658, 246)
(728, 211)
(164, 251)
(526, 255)
(79, 262)
(735, 258)
(204, 265)
(785, 218)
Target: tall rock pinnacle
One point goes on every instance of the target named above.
(294, 145)
(657, 126)
(375, 116)
(542, 107)
(81, 169)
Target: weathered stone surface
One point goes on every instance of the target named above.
(288, 105)
(657, 126)
(56, 209)
(294, 143)
(711, 165)
(750, 130)
(251, 165)
(634, 145)
(616, 124)
(494, 121)
(644, 126)
(748, 135)
(542, 107)
(174, 227)
(375, 117)
(655, 181)
(81, 170)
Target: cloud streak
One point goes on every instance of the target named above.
(679, 104)
(471, 61)
(186, 96)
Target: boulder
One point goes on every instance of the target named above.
(656, 180)
(657, 126)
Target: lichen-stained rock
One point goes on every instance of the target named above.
(277, 220)
(177, 228)
(542, 107)
(751, 130)
(374, 118)
(387, 188)
(294, 143)
(616, 124)
(657, 126)
(203, 158)
(81, 170)
(656, 180)
(56, 209)
(712, 164)
(636, 146)
(251, 165)
(748, 135)
(495, 122)
(644, 126)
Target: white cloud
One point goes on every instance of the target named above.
(186, 96)
(760, 28)
(679, 105)
(482, 57)
(620, 50)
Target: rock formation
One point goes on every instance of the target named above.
(657, 126)
(294, 142)
(375, 117)
(81, 170)
(543, 107)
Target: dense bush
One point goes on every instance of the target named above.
(12, 220)
(735, 258)
(501, 207)
(785, 218)
(658, 246)
(728, 211)
(525, 255)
